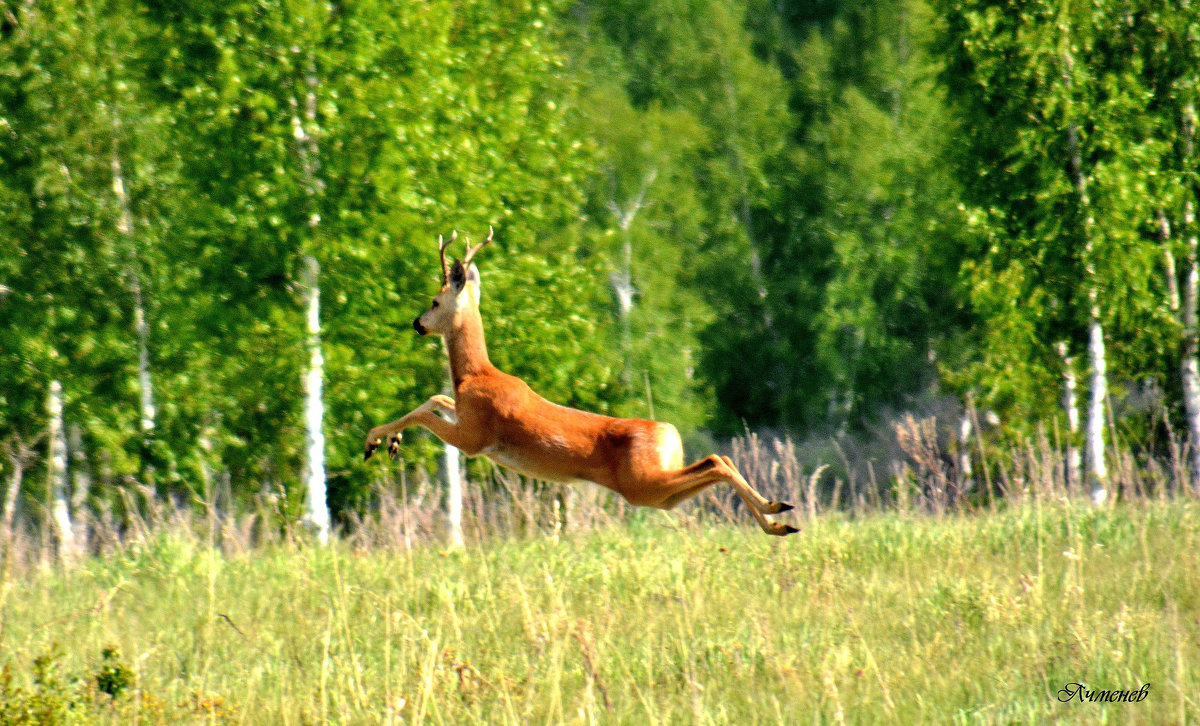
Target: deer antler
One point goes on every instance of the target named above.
(472, 250)
(442, 254)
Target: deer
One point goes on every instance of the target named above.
(498, 416)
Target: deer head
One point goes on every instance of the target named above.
(459, 292)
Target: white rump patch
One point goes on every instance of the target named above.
(670, 448)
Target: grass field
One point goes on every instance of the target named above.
(882, 619)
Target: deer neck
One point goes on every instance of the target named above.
(467, 348)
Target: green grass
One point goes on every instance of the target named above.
(964, 619)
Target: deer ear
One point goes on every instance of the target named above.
(458, 276)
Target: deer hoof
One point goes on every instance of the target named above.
(777, 507)
(374, 438)
(780, 530)
(394, 446)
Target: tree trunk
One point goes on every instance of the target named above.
(10, 510)
(316, 508)
(10, 500)
(1071, 406)
(454, 495)
(1189, 365)
(966, 474)
(19, 455)
(1097, 404)
(56, 474)
(622, 281)
(773, 375)
(134, 280)
(1183, 306)
(1170, 271)
(81, 484)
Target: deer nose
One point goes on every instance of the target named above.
(418, 327)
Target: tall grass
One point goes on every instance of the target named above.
(923, 596)
(926, 468)
(881, 619)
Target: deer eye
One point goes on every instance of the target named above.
(435, 305)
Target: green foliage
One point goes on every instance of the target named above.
(57, 697)
(1060, 172)
(890, 307)
(722, 213)
(688, 122)
(69, 111)
(259, 134)
(113, 676)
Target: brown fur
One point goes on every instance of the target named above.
(498, 416)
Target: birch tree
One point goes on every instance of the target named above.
(1167, 43)
(1097, 412)
(19, 455)
(1190, 320)
(316, 506)
(79, 315)
(644, 196)
(133, 276)
(454, 494)
(675, 96)
(1070, 404)
(1057, 150)
(353, 135)
(57, 492)
(887, 319)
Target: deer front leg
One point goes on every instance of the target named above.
(421, 415)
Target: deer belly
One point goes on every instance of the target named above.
(533, 466)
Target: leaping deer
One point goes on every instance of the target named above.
(497, 415)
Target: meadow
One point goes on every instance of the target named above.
(885, 617)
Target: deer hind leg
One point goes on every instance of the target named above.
(760, 502)
(691, 480)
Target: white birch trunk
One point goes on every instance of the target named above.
(1097, 406)
(1170, 272)
(622, 281)
(1071, 406)
(10, 511)
(204, 441)
(1189, 368)
(81, 483)
(56, 473)
(141, 327)
(19, 455)
(454, 483)
(1189, 365)
(1183, 306)
(145, 386)
(10, 499)
(454, 495)
(316, 508)
(965, 471)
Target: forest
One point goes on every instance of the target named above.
(795, 220)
